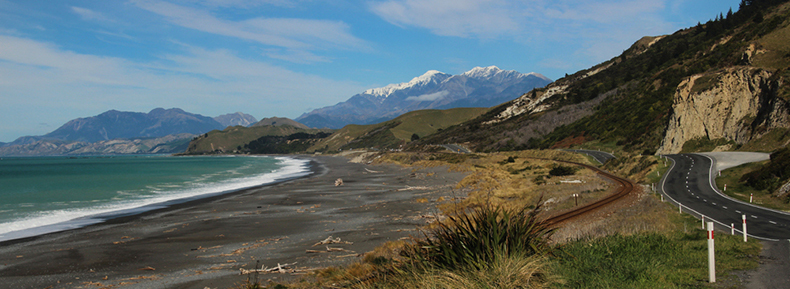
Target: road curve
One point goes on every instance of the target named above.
(689, 182)
(599, 156)
(457, 148)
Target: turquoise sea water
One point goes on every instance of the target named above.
(46, 194)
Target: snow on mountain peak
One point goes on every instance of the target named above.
(427, 77)
(483, 72)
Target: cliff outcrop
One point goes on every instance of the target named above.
(737, 104)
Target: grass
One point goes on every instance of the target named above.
(421, 122)
(704, 144)
(231, 138)
(651, 260)
(739, 190)
(774, 139)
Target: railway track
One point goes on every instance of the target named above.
(626, 187)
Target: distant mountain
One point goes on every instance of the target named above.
(115, 124)
(51, 147)
(479, 87)
(234, 119)
(279, 121)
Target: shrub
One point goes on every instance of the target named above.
(479, 237)
(560, 170)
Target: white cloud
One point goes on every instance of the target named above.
(603, 28)
(88, 14)
(289, 33)
(463, 18)
(244, 3)
(43, 83)
(429, 97)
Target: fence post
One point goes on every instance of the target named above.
(711, 255)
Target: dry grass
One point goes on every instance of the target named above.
(640, 213)
(507, 272)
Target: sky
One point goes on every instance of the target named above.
(65, 59)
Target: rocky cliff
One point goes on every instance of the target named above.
(736, 104)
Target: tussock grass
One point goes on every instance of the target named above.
(480, 237)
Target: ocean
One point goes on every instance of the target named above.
(40, 195)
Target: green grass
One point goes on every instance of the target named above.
(663, 167)
(398, 130)
(676, 259)
(771, 141)
(426, 122)
(739, 190)
(704, 144)
(231, 138)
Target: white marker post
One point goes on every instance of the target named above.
(744, 227)
(732, 228)
(725, 187)
(711, 255)
(751, 197)
(703, 222)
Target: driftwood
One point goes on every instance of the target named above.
(330, 240)
(281, 268)
(328, 249)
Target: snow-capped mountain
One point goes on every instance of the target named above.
(479, 87)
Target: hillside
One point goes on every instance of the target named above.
(234, 139)
(721, 85)
(393, 133)
(279, 121)
(479, 87)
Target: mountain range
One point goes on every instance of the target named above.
(479, 87)
(123, 132)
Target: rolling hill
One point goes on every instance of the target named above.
(394, 133)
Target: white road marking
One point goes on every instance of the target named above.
(772, 222)
(723, 207)
(739, 212)
(753, 216)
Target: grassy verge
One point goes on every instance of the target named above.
(739, 190)
(670, 259)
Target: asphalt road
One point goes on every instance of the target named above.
(689, 182)
(457, 148)
(599, 156)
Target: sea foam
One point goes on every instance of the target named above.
(61, 220)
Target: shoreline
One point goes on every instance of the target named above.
(203, 243)
(126, 214)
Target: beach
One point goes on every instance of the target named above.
(204, 243)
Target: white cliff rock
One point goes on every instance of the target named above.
(737, 104)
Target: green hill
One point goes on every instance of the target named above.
(722, 84)
(393, 133)
(234, 139)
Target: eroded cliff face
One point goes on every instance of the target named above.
(738, 104)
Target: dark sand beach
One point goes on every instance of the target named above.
(204, 243)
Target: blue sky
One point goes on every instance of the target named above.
(65, 59)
